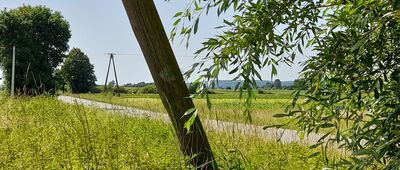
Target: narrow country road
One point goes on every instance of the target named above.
(283, 135)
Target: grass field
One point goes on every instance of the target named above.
(225, 105)
(42, 133)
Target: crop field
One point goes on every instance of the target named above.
(226, 105)
(43, 133)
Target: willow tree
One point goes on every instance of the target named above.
(353, 72)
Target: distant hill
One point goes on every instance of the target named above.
(231, 83)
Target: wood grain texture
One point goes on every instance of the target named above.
(150, 33)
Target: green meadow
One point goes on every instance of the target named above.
(225, 105)
(43, 133)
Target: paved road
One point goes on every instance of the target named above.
(283, 135)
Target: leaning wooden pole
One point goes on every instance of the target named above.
(108, 72)
(153, 41)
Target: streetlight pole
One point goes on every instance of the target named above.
(13, 73)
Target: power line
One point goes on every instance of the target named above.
(123, 54)
(141, 55)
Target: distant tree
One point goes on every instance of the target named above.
(79, 72)
(111, 84)
(277, 84)
(142, 84)
(118, 90)
(59, 80)
(300, 84)
(267, 85)
(127, 85)
(41, 38)
(148, 89)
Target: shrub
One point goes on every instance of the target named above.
(148, 89)
(95, 89)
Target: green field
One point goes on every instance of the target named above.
(226, 105)
(43, 133)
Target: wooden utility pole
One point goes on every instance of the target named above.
(153, 41)
(108, 72)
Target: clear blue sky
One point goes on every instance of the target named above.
(101, 26)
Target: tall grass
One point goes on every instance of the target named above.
(42, 133)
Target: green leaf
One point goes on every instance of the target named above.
(190, 121)
(274, 71)
(196, 26)
(178, 14)
(299, 48)
(316, 145)
(323, 137)
(234, 70)
(272, 126)
(327, 125)
(363, 152)
(314, 155)
(208, 101)
(190, 111)
(359, 44)
(177, 22)
(198, 8)
(280, 115)
(376, 93)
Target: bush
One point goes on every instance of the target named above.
(133, 90)
(95, 89)
(152, 89)
(119, 90)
